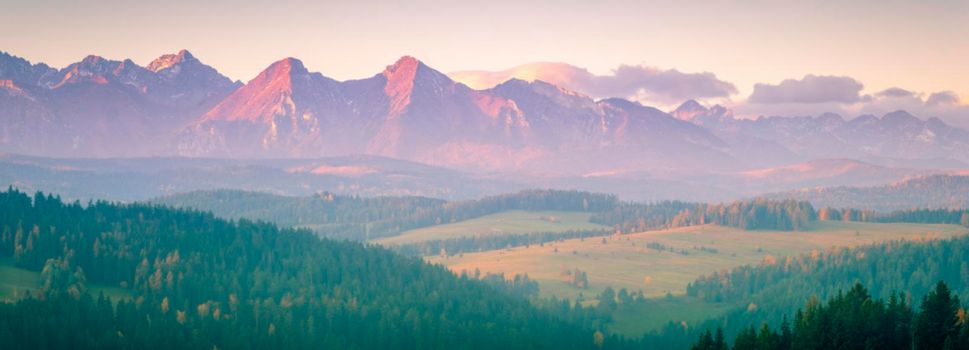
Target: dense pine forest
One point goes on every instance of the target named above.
(196, 281)
(855, 320)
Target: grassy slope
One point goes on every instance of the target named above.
(509, 222)
(626, 262)
(14, 282)
(635, 319)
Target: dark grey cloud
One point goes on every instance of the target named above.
(810, 89)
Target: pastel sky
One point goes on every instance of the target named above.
(919, 46)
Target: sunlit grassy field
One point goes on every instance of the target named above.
(509, 222)
(626, 261)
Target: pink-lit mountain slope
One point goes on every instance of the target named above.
(414, 112)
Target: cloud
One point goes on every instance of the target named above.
(630, 80)
(810, 89)
(942, 98)
(895, 92)
(647, 84)
(943, 104)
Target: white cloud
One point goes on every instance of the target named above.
(642, 83)
(943, 98)
(793, 98)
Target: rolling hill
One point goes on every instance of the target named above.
(665, 261)
(930, 192)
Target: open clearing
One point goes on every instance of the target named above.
(626, 262)
(14, 282)
(635, 319)
(508, 222)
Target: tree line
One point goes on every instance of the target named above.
(922, 216)
(481, 243)
(755, 214)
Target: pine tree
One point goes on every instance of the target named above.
(718, 341)
(936, 322)
(746, 339)
(786, 338)
(706, 342)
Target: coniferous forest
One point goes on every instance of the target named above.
(196, 281)
(899, 275)
(856, 320)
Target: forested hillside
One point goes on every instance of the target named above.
(856, 320)
(771, 292)
(934, 192)
(912, 267)
(201, 282)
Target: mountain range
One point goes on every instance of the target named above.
(178, 106)
(897, 136)
(100, 107)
